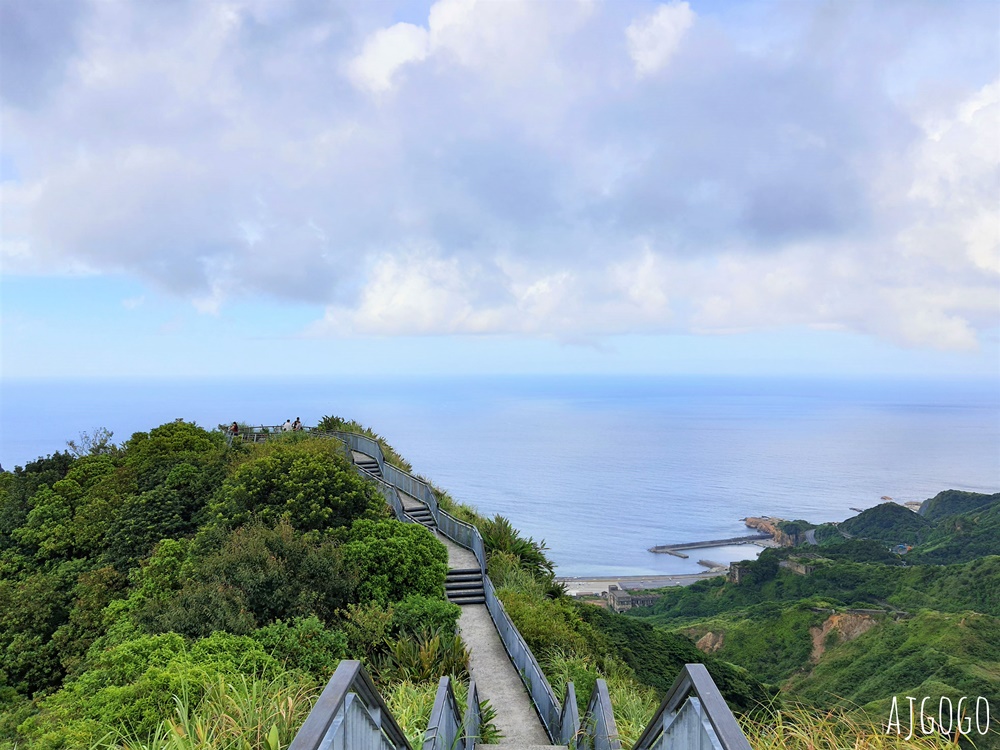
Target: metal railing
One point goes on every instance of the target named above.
(447, 729)
(569, 718)
(350, 715)
(599, 729)
(548, 708)
(693, 715)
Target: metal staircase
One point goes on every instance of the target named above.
(368, 465)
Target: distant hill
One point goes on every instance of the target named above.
(962, 537)
(889, 523)
(953, 502)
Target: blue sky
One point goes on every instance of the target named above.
(473, 186)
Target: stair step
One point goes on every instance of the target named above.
(470, 600)
(505, 746)
(463, 571)
(463, 577)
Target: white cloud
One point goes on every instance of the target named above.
(654, 39)
(385, 52)
(520, 168)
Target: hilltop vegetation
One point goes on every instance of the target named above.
(173, 580)
(956, 502)
(853, 622)
(176, 567)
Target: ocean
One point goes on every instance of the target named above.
(600, 468)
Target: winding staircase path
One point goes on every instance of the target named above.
(496, 677)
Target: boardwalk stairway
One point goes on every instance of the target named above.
(351, 715)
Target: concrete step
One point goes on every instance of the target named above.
(465, 586)
(463, 580)
(503, 746)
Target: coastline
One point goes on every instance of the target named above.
(596, 585)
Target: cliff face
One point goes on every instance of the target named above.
(847, 626)
(770, 526)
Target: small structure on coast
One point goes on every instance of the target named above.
(620, 600)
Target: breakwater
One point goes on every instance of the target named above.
(671, 549)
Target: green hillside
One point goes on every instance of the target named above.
(175, 586)
(177, 568)
(888, 522)
(855, 622)
(955, 502)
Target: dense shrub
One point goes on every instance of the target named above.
(133, 685)
(546, 624)
(305, 644)
(417, 612)
(166, 511)
(151, 456)
(501, 536)
(424, 656)
(260, 575)
(309, 483)
(394, 560)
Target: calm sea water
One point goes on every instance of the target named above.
(600, 468)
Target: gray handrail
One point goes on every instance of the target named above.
(473, 722)
(569, 719)
(601, 732)
(447, 729)
(693, 708)
(445, 725)
(352, 713)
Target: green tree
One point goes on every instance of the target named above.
(309, 482)
(394, 560)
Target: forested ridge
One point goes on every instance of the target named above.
(177, 567)
(889, 603)
(176, 587)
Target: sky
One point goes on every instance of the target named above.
(270, 187)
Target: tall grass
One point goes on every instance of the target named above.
(243, 713)
(339, 424)
(410, 704)
(796, 727)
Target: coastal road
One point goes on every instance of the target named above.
(595, 585)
